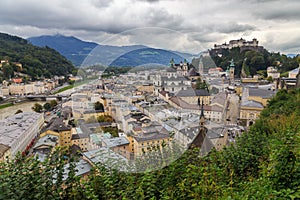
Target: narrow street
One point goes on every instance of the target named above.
(233, 111)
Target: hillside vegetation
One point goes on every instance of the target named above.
(36, 61)
(256, 62)
(263, 164)
(72, 48)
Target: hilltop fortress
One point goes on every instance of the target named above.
(241, 43)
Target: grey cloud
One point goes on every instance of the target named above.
(161, 18)
(233, 27)
(150, 1)
(196, 22)
(278, 10)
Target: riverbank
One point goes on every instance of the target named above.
(12, 109)
(76, 84)
(6, 105)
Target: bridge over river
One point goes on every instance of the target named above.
(46, 97)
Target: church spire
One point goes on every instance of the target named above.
(202, 117)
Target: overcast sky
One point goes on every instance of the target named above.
(184, 25)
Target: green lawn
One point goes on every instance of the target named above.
(72, 86)
(6, 105)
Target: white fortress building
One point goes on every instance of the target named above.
(237, 43)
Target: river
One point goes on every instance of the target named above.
(25, 107)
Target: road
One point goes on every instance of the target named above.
(233, 111)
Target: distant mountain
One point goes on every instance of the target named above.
(72, 48)
(145, 56)
(105, 54)
(36, 61)
(291, 55)
(82, 53)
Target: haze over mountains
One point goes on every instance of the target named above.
(89, 53)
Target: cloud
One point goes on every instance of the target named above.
(233, 27)
(278, 10)
(190, 23)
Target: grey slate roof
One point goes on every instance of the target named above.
(251, 103)
(79, 136)
(261, 92)
(114, 142)
(191, 92)
(150, 136)
(172, 78)
(58, 125)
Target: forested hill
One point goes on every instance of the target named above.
(263, 164)
(255, 61)
(36, 61)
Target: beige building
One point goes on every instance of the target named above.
(81, 140)
(67, 136)
(25, 89)
(60, 129)
(191, 96)
(145, 88)
(249, 112)
(142, 143)
(260, 95)
(119, 145)
(254, 100)
(4, 91)
(88, 114)
(272, 72)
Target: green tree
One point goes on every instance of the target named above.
(18, 111)
(105, 118)
(8, 71)
(98, 106)
(201, 84)
(37, 107)
(47, 106)
(53, 103)
(270, 79)
(81, 73)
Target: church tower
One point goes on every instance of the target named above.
(185, 68)
(231, 72)
(172, 63)
(202, 117)
(201, 67)
(200, 141)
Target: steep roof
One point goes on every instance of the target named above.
(261, 92)
(58, 125)
(150, 136)
(253, 104)
(191, 92)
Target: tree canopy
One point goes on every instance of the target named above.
(36, 61)
(253, 61)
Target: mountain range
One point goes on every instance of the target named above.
(82, 53)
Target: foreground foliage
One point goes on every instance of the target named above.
(263, 164)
